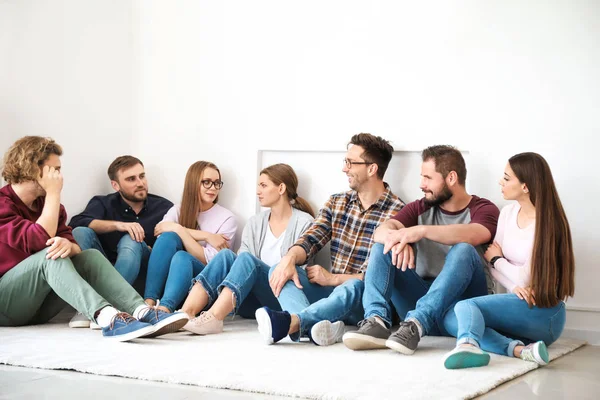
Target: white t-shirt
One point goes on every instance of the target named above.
(270, 253)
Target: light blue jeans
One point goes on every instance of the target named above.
(497, 323)
(427, 301)
(132, 256)
(170, 271)
(245, 275)
(316, 303)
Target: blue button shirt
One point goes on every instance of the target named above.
(113, 208)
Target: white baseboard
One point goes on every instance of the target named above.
(583, 323)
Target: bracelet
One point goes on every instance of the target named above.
(494, 259)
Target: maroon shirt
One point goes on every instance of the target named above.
(20, 235)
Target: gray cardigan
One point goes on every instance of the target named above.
(255, 231)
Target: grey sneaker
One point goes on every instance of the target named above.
(406, 339)
(536, 352)
(326, 333)
(370, 335)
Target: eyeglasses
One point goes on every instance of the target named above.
(207, 183)
(348, 164)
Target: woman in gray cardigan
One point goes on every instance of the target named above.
(229, 278)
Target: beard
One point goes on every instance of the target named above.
(132, 197)
(444, 195)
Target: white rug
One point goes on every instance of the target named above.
(237, 359)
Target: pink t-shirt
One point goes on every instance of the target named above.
(517, 246)
(217, 220)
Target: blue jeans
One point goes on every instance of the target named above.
(131, 255)
(499, 322)
(170, 271)
(245, 275)
(427, 301)
(316, 303)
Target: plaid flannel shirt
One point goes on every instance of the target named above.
(350, 228)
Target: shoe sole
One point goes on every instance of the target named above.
(168, 325)
(95, 327)
(79, 324)
(357, 341)
(541, 355)
(196, 331)
(390, 344)
(264, 325)
(131, 335)
(326, 333)
(466, 359)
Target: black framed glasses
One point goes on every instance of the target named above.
(348, 164)
(207, 183)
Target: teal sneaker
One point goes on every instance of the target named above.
(536, 352)
(466, 357)
(124, 327)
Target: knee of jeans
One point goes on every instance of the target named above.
(377, 249)
(376, 255)
(167, 237)
(180, 258)
(126, 242)
(83, 233)
(463, 306)
(463, 248)
(354, 288)
(228, 254)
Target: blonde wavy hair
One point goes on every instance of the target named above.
(23, 160)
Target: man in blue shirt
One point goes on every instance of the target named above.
(121, 224)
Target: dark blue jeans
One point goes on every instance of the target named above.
(427, 301)
(170, 271)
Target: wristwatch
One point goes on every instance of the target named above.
(494, 259)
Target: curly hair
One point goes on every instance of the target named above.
(23, 160)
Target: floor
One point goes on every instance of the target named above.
(574, 376)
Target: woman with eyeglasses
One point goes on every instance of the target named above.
(240, 282)
(191, 234)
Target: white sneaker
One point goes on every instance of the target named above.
(326, 333)
(536, 352)
(94, 326)
(205, 324)
(79, 321)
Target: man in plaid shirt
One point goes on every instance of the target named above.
(317, 302)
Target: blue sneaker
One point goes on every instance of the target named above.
(273, 325)
(466, 357)
(124, 327)
(164, 322)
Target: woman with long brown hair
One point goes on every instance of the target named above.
(229, 282)
(191, 234)
(532, 256)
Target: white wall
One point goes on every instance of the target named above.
(223, 80)
(180, 81)
(66, 72)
